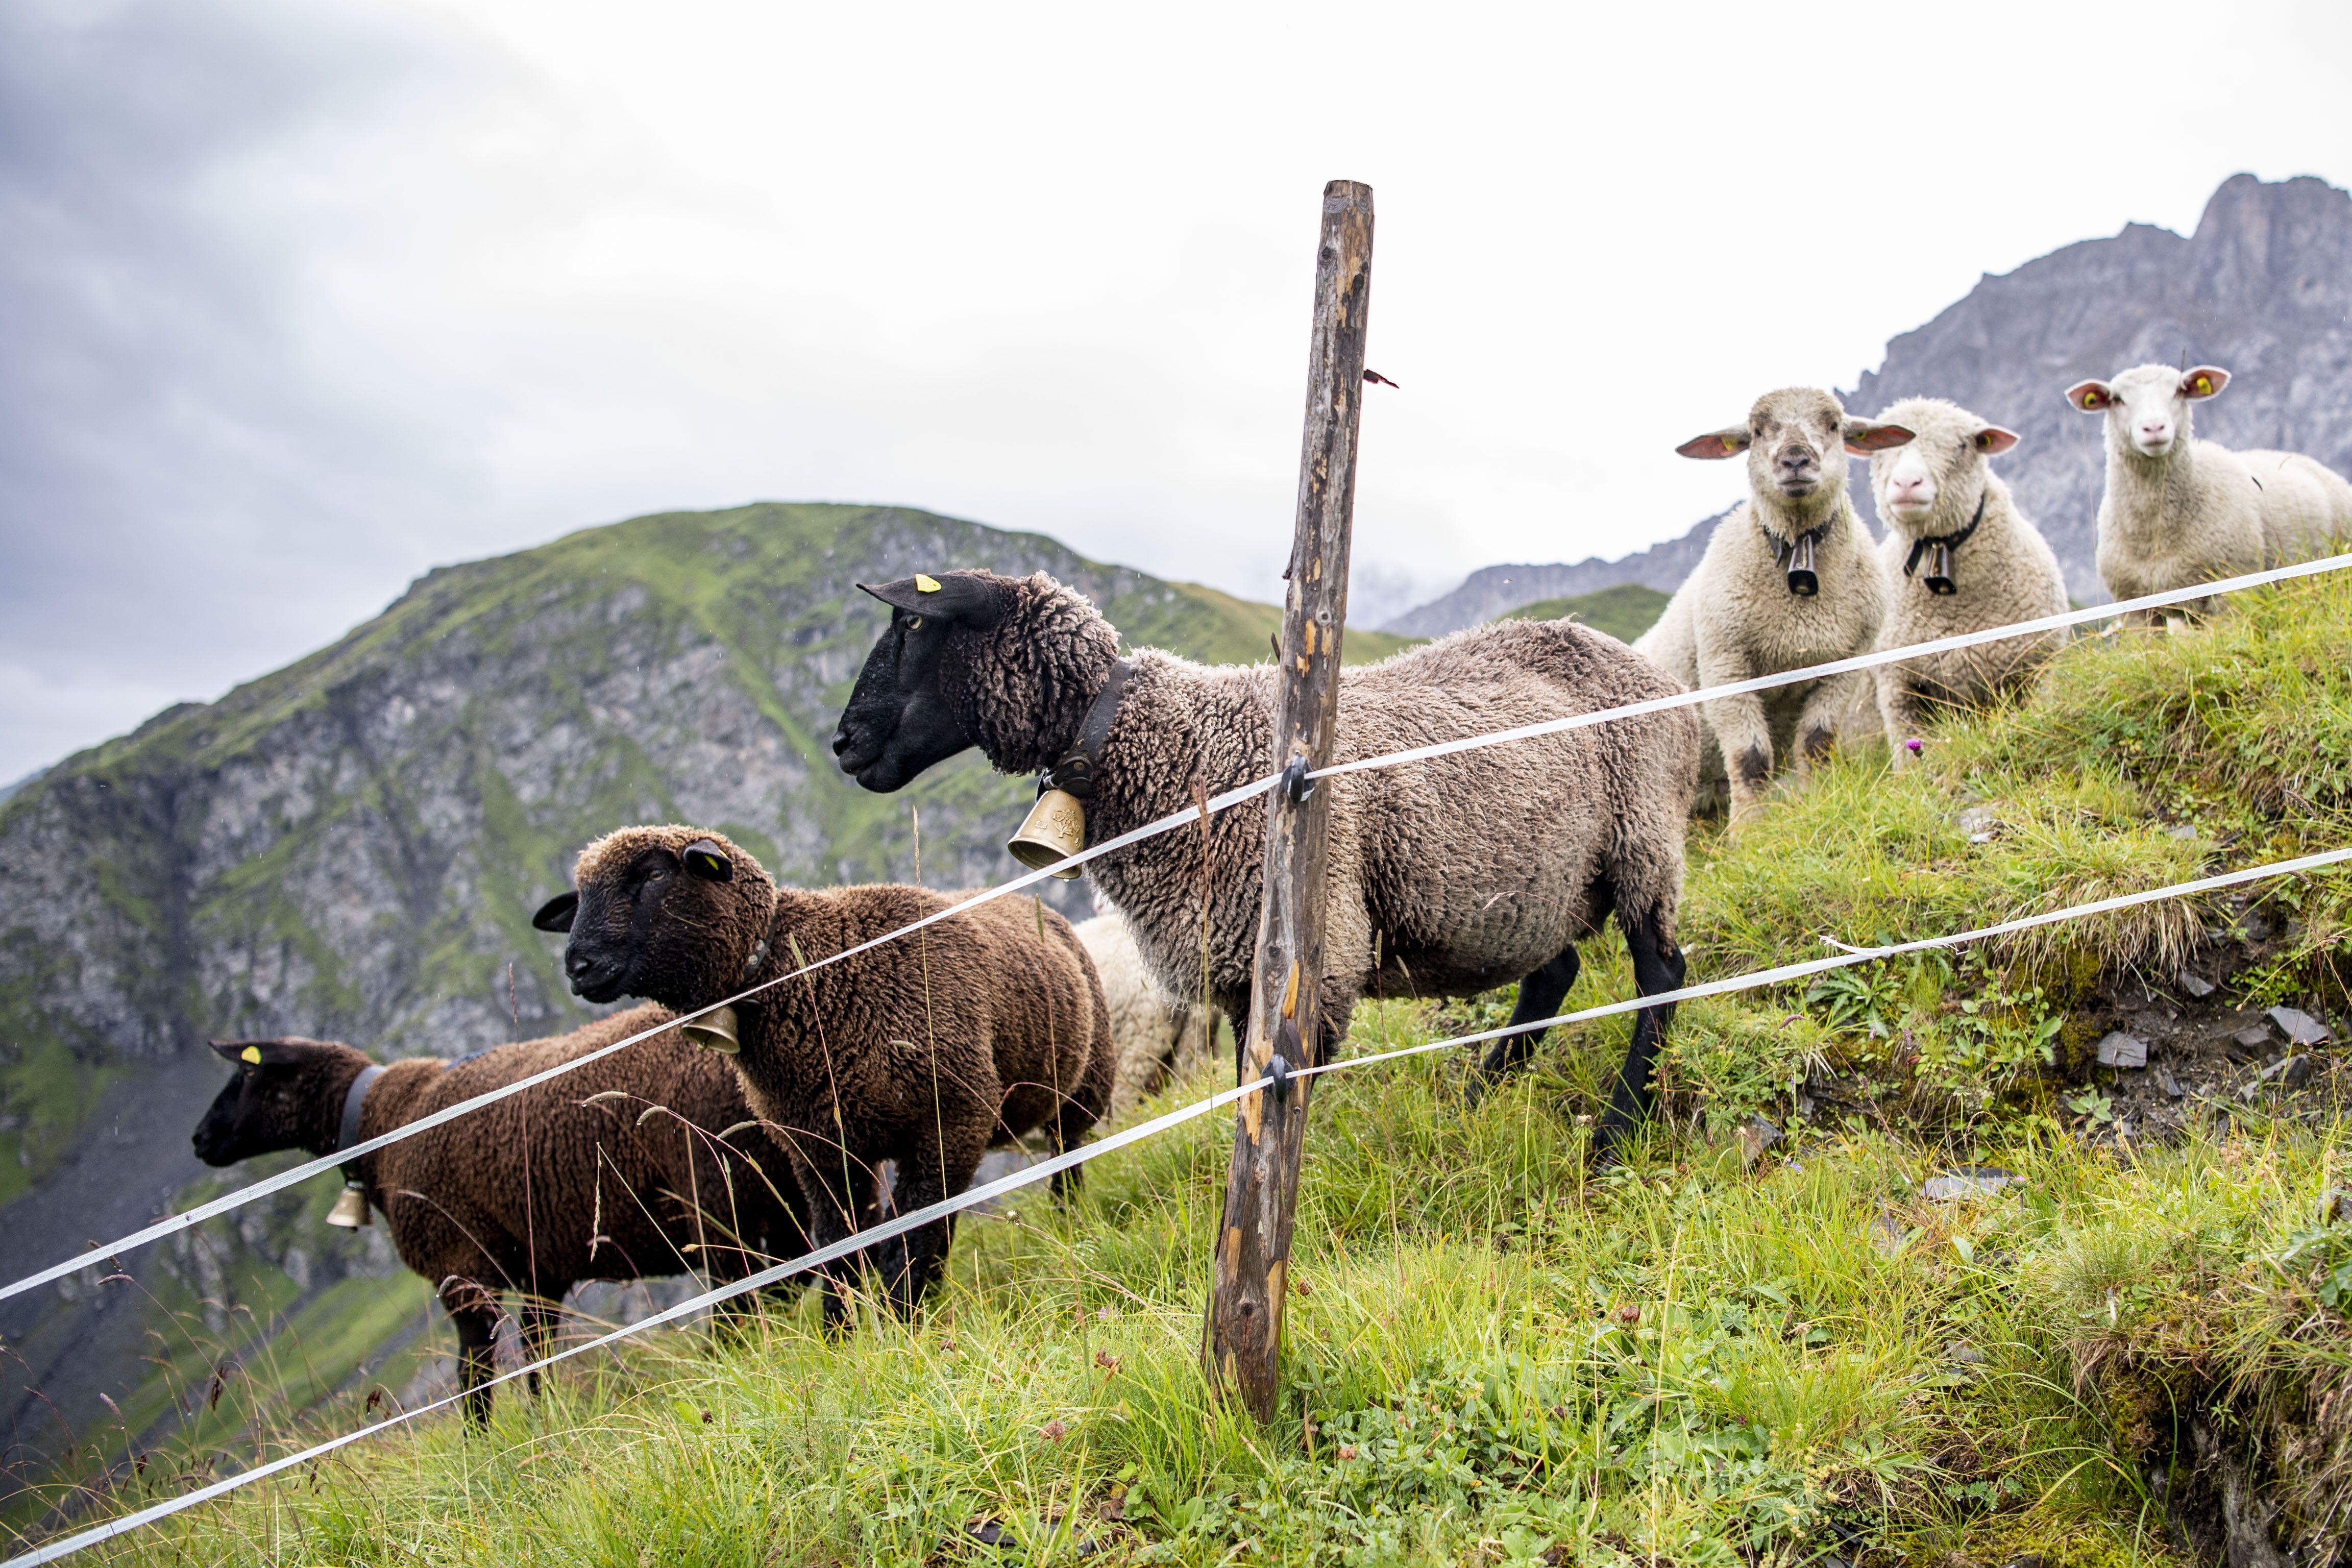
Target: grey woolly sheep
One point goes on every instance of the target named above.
(1787, 581)
(1446, 878)
(643, 1163)
(2179, 511)
(1959, 557)
(923, 1051)
(1158, 1035)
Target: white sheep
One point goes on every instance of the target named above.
(2179, 511)
(1959, 557)
(1158, 1037)
(1787, 581)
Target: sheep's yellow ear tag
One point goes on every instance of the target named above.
(250, 1054)
(926, 584)
(2204, 384)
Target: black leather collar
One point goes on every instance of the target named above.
(354, 1102)
(1946, 542)
(1074, 774)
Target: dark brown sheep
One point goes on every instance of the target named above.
(923, 1052)
(580, 1178)
(1447, 878)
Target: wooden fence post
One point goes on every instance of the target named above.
(1242, 1341)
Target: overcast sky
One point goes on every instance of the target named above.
(299, 298)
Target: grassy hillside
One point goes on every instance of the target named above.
(1706, 1357)
(1625, 611)
(350, 847)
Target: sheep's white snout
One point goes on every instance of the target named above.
(2152, 435)
(1909, 489)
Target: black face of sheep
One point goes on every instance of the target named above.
(899, 720)
(260, 1110)
(626, 927)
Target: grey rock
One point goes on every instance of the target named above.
(1755, 1136)
(2253, 1040)
(2121, 1050)
(1971, 1182)
(2300, 1029)
(2167, 1082)
(2181, 831)
(2196, 985)
(1976, 820)
(1964, 1353)
(2287, 1073)
(1885, 1233)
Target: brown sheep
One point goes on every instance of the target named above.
(1447, 878)
(537, 1191)
(923, 1052)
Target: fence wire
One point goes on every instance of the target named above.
(1045, 1169)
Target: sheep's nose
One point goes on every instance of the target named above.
(1796, 459)
(840, 742)
(575, 963)
(2155, 429)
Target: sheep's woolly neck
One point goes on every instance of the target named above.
(1784, 519)
(1023, 691)
(2152, 497)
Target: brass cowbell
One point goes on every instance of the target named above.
(1054, 830)
(350, 1210)
(1940, 569)
(714, 1031)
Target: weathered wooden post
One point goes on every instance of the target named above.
(1242, 1341)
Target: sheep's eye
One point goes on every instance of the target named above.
(914, 622)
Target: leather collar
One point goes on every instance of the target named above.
(1783, 548)
(1949, 541)
(1074, 774)
(354, 1102)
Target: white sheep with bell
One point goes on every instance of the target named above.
(2179, 511)
(1959, 557)
(1788, 580)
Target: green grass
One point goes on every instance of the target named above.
(1625, 611)
(1496, 1355)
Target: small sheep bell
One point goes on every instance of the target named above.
(1940, 569)
(1803, 581)
(1054, 830)
(350, 1210)
(714, 1031)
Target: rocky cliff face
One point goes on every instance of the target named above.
(2264, 289)
(351, 847)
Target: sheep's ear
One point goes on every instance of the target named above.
(557, 913)
(1717, 444)
(1993, 440)
(1863, 437)
(2204, 380)
(255, 1053)
(966, 597)
(2090, 396)
(708, 861)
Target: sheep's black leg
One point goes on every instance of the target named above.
(539, 1316)
(911, 1262)
(1658, 966)
(478, 1333)
(1541, 995)
(834, 1212)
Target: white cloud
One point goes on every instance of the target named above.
(363, 290)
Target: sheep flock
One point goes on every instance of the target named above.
(834, 1098)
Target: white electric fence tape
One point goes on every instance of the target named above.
(302, 1173)
(1031, 1174)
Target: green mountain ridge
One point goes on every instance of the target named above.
(351, 846)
